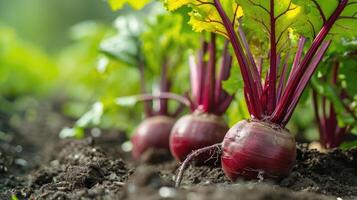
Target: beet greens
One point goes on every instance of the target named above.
(209, 101)
(264, 35)
(274, 97)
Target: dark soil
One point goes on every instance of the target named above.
(97, 168)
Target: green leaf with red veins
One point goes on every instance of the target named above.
(346, 25)
(204, 15)
(317, 12)
(257, 16)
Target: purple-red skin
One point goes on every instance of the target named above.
(152, 133)
(254, 148)
(195, 131)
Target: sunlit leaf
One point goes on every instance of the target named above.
(118, 4)
(204, 16)
(317, 12)
(257, 19)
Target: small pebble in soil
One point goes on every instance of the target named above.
(18, 148)
(167, 192)
(127, 146)
(21, 162)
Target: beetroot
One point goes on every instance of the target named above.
(153, 132)
(208, 102)
(196, 131)
(254, 148)
(263, 147)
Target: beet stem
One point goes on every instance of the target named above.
(252, 92)
(273, 62)
(224, 74)
(147, 106)
(164, 95)
(164, 87)
(208, 89)
(290, 95)
(190, 157)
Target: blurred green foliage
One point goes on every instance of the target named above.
(46, 23)
(97, 78)
(24, 68)
(151, 38)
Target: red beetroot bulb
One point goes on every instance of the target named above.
(253, 148)
(196, 131)
(153, 132)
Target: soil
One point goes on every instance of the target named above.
(98, 168)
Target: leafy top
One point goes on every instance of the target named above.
(281, 27)
(204, 16)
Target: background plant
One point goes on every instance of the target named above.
(334, 96)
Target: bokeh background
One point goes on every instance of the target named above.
(46, 23)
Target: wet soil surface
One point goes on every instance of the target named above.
(98, 168)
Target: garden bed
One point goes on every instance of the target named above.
(97, 168)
